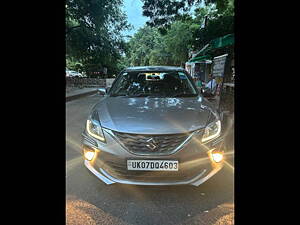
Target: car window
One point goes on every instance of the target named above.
(156, 84)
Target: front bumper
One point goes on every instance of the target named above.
(195, 164)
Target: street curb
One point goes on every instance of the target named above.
(73, 97)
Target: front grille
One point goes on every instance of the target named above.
(118, 169)
(151, 144)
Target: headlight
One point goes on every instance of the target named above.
(89, 155)
(94, 129)
(217, 156)
(212, 131)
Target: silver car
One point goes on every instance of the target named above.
(153, 127)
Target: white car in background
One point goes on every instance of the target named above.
(72, 73)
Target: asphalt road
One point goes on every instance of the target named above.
(90, 201)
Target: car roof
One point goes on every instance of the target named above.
(154, 68)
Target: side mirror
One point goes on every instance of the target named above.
(206, 92)
(101, 91)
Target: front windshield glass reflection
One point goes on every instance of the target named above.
(153, 84)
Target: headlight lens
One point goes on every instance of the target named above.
(217, 156)
(94, 129)
(212, 131)
(89, 155)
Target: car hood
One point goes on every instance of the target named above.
(145, 115)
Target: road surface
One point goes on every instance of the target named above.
(90, 201)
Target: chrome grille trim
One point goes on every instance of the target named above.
(168, 143)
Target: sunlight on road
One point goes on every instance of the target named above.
(221, 215)
(73, 144)
(227, 163)
(226, 220)
(71, 164)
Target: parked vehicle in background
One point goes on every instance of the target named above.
(72, 73)
(84, 74)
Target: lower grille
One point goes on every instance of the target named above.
(151, 144)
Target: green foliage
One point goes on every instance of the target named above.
(215, 28)
(178, 41)
(216, 15)
(93, 33)
(156, 45)
(162, 13)
(149, 47)
(140, 46)
(72, 64)
(225, 7)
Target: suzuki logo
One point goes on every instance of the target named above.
(151, 144)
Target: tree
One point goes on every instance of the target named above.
(72, 64)
(213, 18)
(149, 47)
(162, 13)
(93, 32)
(141, 45)
(215, 28)
(179, 40)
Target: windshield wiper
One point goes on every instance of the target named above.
(182, 95)
(138, 95)
(116, 95)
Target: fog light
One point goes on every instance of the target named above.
(89, 155)
(217, 156)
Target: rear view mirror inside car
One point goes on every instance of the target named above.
(154, 76)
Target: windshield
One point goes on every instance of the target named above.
(153, 84)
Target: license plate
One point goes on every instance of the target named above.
(153, 165)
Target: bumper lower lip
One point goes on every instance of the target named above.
(97, 174)
(107, 179)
